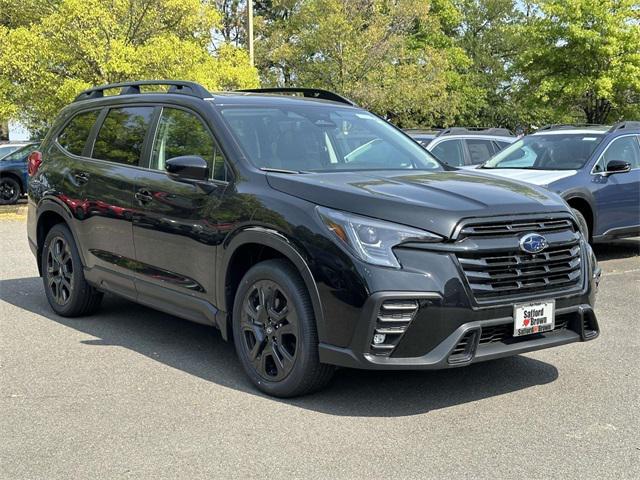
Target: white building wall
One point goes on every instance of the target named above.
(18, 132)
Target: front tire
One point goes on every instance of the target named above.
(275, 333)
(582, 223)
(9, 191)
(67, 291)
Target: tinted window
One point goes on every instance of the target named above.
(122, 134)
(625, 149)
(182, 133)
(557, 151)
(423, 139)
(450, 151)
(323, 139)
(7, 149)
(501, 145)
(479, 150)
(75, 134)
(20, 154)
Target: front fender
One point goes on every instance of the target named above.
(280, 243)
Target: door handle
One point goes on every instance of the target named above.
(143, 196)
(81, 177)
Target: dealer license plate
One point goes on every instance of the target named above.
(530, 318)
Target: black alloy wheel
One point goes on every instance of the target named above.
(67, 290)
(275, 331)
(9, 191)
(60, 270)
(270, 332)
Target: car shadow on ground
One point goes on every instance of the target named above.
(199, 350)
(615, 249)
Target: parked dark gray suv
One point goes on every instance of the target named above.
(308, 230)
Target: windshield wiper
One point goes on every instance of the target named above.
(281, 170)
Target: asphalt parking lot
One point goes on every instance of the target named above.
(134, 393)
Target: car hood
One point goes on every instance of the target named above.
(434, 201)
(537, 177)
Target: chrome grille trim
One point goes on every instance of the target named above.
(518, 273)
(393, 319)
(515, 226)
(496, 268)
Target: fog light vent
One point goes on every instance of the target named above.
(465, 348)
(589, 325)
(393, 319)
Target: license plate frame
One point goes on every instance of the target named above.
(527, 316)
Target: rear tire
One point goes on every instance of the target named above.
(274, 331)
(582, 223)
(9, 191)
(67, 291)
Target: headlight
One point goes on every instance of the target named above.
(371, 240)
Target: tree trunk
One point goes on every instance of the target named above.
(597, 109)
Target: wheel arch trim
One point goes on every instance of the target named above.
(588, 199)
(279, 242)
(49, 204)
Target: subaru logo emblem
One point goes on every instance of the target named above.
(533, 243)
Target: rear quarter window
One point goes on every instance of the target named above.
(74, 136)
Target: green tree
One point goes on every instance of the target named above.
(389, 56)
(50, 54)
(487, 32)
(580, 59)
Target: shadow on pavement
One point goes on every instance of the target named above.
(199, 350)
(615, 249)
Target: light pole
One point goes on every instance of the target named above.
(250, 30)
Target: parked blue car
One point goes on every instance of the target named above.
(596, 169)
(13, 174)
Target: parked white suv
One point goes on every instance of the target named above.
(461, 146)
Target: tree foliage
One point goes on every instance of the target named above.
(582, 58)
(50, 54)
(513, 63)
(389, 56)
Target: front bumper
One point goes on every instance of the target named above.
(573, 324)
(445, 332)
(451, 304)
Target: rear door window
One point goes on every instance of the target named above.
(479, 150)
(74, 136)
(450, 152)
(122, 134)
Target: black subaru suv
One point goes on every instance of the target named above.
(310, 231)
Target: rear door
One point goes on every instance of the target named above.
(450, 151)
(618, 195)
(480, 150)
(107, 179)
(177, 224)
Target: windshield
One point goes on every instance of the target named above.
(320, 139)
(7, 149)
(20, 153)
(566, 151)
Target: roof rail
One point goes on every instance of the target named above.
(503, 132)
(306, 92)
(564, 126)
(128, 88)
(624, 124)
(423, 130)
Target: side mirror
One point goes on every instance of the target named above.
(188, 166)
(617, 166)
